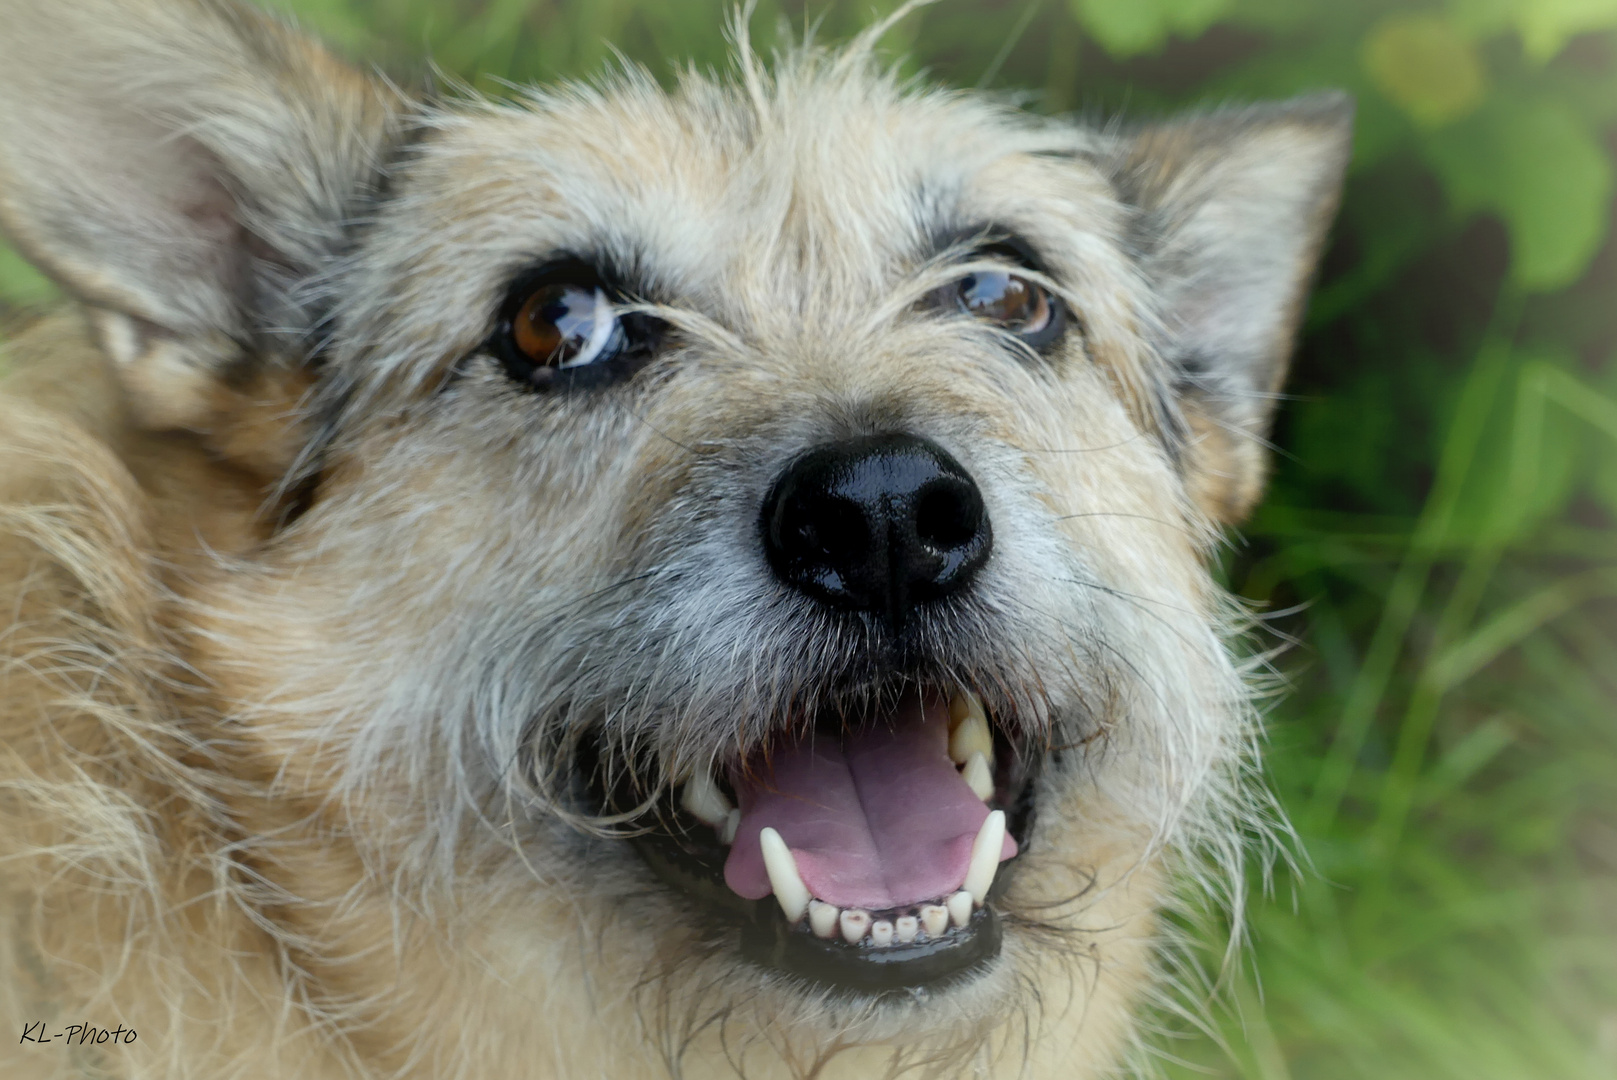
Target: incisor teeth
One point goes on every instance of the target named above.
(823, 918)
(978, 777)
(703, 799)
(727, 831)
(854, 923)
(960, 908)
(790, 892)
(971, 737)
(984, 858)
(935, 917)
(881, 932)
(905, 927)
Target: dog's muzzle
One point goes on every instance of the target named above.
(864, 852)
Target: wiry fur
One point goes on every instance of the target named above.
(308, 607)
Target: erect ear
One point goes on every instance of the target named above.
(180, 166)
(1233, 207)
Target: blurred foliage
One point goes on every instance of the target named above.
(1441, 534)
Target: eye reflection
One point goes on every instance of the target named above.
(1002, 297)
(1009, 300)
(564, 326)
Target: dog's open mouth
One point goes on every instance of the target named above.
(862, 856)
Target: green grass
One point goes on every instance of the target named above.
(1441, 533)
(1450, 760)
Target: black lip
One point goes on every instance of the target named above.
(691, 860)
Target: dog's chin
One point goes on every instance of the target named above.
(862, 860)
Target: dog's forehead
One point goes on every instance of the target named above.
(824, 188)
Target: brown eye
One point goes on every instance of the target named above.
(562, 326)
(567, 326)
(1015, 303)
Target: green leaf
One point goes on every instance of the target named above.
(1131, 27)
(1124, 29)
(1544, 25)
(1425, 65)
(1535, 164)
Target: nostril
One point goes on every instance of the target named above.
(948, 516)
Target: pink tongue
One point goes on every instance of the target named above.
(877, 820)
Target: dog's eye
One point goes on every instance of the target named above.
(1015, 303)
(563, 327)
(1010, 301)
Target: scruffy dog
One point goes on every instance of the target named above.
(623, 583)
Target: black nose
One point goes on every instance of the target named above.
(882, 524)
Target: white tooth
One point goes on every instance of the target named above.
(727, 831)
(881, 933)
(855, 922)
(704, 800)
(971, 737)
(985, 851)
(905, 927)
(960, 908)
(978, 777)
(964, 704)
(790, 892)
(935, 917)
(823, 918)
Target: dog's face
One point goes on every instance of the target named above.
(754, 536)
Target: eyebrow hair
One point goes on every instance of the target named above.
(621, 265)
(983, 237)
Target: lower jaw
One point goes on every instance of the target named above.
(763, 937)
(911, 970)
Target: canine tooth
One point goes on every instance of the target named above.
(854, 921)
(790, 892)
(960, 908)
(935, 917)
(964, 704)
(905, 927)
(881, 933)
(984, 858)
(704, 800)
(978, 777)
(823, 918)
(727, 831)
(971, 737)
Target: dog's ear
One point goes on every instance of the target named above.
(180, 166)
(1232, 209)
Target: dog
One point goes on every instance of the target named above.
(619, 582)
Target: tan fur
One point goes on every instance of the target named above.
(293, 580)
